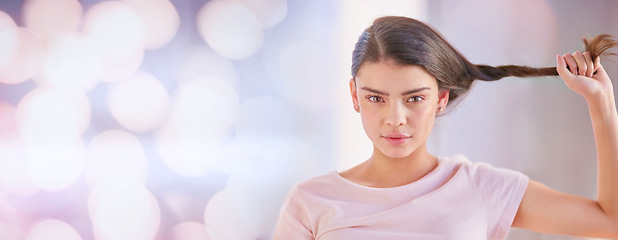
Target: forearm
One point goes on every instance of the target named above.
(605, 126)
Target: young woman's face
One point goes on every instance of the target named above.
(398, 105)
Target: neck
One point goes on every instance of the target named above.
(384, 171)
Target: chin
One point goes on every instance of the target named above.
(397, 153)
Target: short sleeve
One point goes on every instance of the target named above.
(502, 191)
(294, 219)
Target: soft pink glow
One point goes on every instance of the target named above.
(52, 229)
(117, 35)
(230, 28)
(49, 114)
(11, 231)
(160, 18)
(120, 207)
(139, 103)
(10, 150)
(201, 61)
(234, 214)
(114, 152)
(205, 107)
(8, 127)
(269, 12)
(28, 59)
(71, 63)
(204, 111)
(55, 165)
(189, 231)
(187, 155)
(9, 39)
(13, 172)
(50, 18)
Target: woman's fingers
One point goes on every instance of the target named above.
(570, 62)
(581, 63)
(591, 67)
(597, 63)
(562, 67)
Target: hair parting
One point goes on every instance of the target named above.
(408, 41)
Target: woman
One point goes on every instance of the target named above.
(404, 74)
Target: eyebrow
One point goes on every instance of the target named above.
(404, 93)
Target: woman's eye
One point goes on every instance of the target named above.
(416, 99)
(375, 99)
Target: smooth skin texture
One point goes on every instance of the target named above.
(549, 211)
(398, 105)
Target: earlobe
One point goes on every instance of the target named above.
(354, 94)
(443, 96)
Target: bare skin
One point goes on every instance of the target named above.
(545, 210)
(399, 124)
(398, 118)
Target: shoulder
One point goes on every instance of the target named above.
(478, 170)
(322, 182)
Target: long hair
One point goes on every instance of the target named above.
(411, 42)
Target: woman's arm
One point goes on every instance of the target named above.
(549, 211)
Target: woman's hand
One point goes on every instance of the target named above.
(549, 211)
(584, 76)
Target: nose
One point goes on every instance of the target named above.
(396, 115)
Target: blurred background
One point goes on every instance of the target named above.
(191, 119)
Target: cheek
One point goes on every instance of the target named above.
(423, 117)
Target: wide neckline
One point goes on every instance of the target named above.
(417, 182)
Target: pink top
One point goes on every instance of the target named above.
(459, 199)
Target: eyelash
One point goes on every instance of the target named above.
(375, 99)
(420, 99)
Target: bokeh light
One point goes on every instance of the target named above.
(205, 107)
(171, 119)
(28, 59)
(14, 172)
(8, 38)
(264, 117)
(55, 165)
(189, 231)
(234, 214)
(201, 61)
(268, 12)
(187, 155)
(8, 127)
(9, 151)
(160, 18)
(117, 35)
(50, 18)
(203, 113)
(230, 28)
(139, 103)
(114, 152)
(11, 231)
(122, 208)
(52, 229)
(13, 169)
(299, 77)
(50, 114)
(71, 64)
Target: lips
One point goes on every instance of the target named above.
(396, 138)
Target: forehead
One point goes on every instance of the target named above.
(388, 74)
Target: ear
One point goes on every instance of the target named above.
(354, 94)
(443, 98)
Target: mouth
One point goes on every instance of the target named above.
(396, 138)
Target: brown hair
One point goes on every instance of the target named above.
(411, 42)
